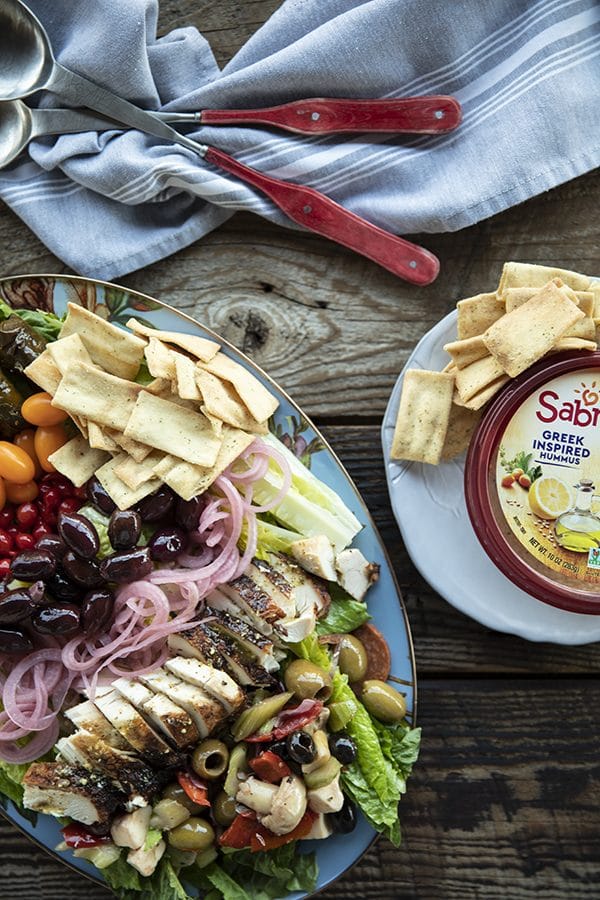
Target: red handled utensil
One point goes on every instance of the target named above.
(419, 115)
(321, 214)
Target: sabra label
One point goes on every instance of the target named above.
(548, 476)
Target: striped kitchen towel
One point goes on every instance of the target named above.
(527, 74)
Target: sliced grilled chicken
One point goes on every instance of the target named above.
(250, 640)
(134, 728)
(88, 717)
(60, 789)
(218, 684)
(205, 711)
(129, 774)
(253, 600)
(208, 645)
(307, 590)
(355, 573)
(221, 602)
(273, 583)
(316, 555)
(172, 720)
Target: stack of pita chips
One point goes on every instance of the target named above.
(198, 412)
(536, 311)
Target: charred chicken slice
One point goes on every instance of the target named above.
(88, 717)
(254, 601)
(250, 640)
(208, 645)
(218, 684)
(206, 712)
(133, 727)
(175, 723)
(60, 789)
(129, 774)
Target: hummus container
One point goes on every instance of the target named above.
(532, 481)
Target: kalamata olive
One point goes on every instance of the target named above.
(280, 748)
(124, 529)
(53, 544)
(96, 610)
(157, 505)
(33, 564)
(343, 748)
(79, 534)
(61, 587)
(13, 640)
(307, 680)
(187, 513)
(382, 701)
(97, 495)
(85, 572)
(60, 618)
(344, 821)
(167, 543)
(195, 834)
(15, 606)
(129, 565)
(301, 747)
(210, 758)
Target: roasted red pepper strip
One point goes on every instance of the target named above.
(240, 832)
(270, 767)
(290, 720)
(194, 787)
(263, 839)
(76, 836)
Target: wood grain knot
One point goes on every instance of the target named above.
(255, 330)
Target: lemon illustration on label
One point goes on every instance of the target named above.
(550, 497)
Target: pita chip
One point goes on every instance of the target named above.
(77, 460)
(259, 402)
(461, 425)
(523, 336)
(221, 401)
(44, 372)
(122, 495)
(516, 275)
(165, 425)
(423, 416)
(105, 399)
(476, 314)
(467, 351)
(199, 347)
(115, 349)
(67, 351)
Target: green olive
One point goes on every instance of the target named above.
(210, 758)
(223, 809)
(195, 834)
(307, 680)
(383, 702)
(352, 660)
(259, 714)
(173, 791)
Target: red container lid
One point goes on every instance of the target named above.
(541, 528)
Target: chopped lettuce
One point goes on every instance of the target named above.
(243, 875)
(343, 616)
(11, 778)
(127, 884)
(272, 538)
(310, 507)
(377, 779)
(153, 837)
(43, 323)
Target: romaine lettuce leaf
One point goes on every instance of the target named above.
(343, 616)
(243, 875)
(11, 777)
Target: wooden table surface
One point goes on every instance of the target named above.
(505, 800)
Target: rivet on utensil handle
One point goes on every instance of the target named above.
(324, 216)
(421, 115)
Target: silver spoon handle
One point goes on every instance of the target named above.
(71, 121)
(79, 90)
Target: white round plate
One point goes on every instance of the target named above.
(429, 505)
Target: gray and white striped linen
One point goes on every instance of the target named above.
(526, 73)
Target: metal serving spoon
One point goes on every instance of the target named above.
(27, 65)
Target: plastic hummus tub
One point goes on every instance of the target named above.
(532, 481)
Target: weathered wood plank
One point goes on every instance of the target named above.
(500, 804)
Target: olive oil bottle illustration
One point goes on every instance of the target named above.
(579, 528)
